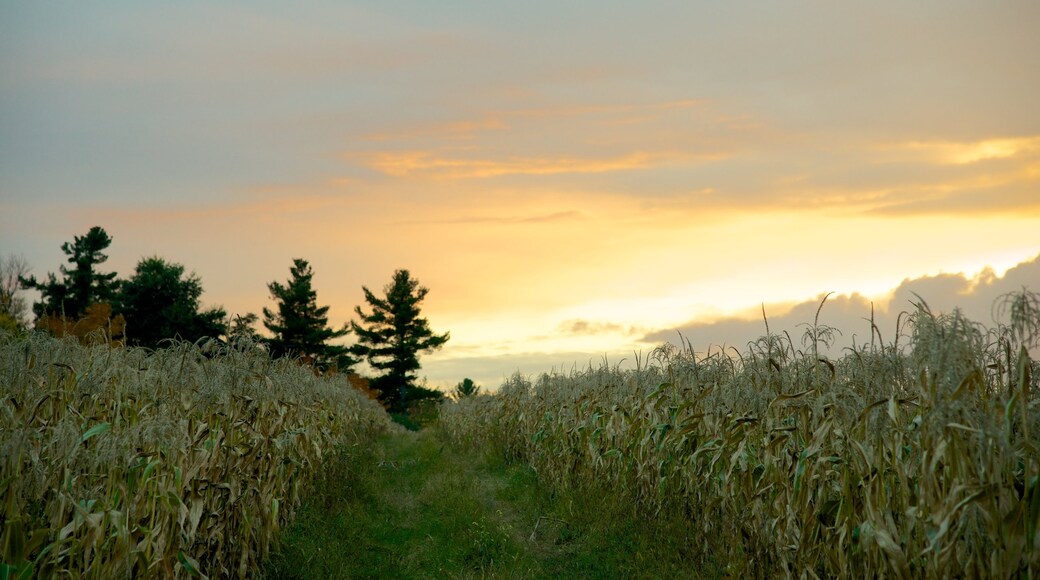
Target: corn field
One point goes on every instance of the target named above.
(915, 457)
(180, 462)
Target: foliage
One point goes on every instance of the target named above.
(918, 458)
(362, 385)
(421, 409)
(13, 309)
(95, 326)
(392, 336)
(300, 326)
(82, 285)
(160, 303)
(466, 388)
(129, 463)
(9, 323)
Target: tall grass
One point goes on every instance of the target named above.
(179, 462)
(916, 457)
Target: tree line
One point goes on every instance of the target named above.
(160, 302)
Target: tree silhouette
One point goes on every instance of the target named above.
(159, 302)
(82, 285)
(392, 336)
(466, 388)
(300, 327)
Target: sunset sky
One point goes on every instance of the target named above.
(571, 180)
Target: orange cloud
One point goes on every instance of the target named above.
(964, 153)
(433, 165)
(461, 130)
(995, 176)
(558, 140)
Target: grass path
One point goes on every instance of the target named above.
(412, 506)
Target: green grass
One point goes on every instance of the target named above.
(412, 506)
(914, 458)
(595, 533)
(407, 508)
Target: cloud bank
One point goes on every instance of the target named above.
(974, 296)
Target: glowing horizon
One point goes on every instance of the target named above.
(633, 171)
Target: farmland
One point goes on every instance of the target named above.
(174, 462)
(915, 456)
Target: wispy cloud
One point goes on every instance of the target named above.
(995, 176)
(429, 164)
(632, 167)
(554, 217)
(460, 130)
(589, 327)
(499, 120)
(963, 153)
(560, 140)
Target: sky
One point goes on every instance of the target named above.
(572, 181)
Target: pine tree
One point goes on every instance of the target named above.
(392, 336)
(466, 388)
(82, 285)
(159, 302)
(300, 327)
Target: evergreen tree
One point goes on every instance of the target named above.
(300, 327)
(159, 302)
(392, 336)
(82, 285)
(466, 388)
